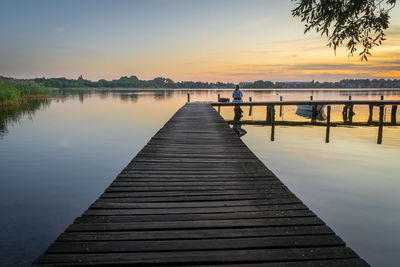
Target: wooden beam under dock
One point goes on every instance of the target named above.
(307, 102)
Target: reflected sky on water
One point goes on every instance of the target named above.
(56, 159)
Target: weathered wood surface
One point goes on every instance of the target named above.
(195, 195)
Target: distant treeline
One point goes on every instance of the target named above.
(38, 84)
(134, 82)
(127, 82)
(347, 83)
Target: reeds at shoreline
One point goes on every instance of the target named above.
(13, 91)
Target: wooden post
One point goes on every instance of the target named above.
(380, 127)
(314, 113)
(268, 120)
(371, 113)
(272, 123)
(280, 107)
(219, 96)
(251, 107)
(394, 111)
(328, 123)
(351, 113)
(188, 100)
(344, 112)
(219, 109)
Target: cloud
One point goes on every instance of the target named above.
(59, 31)
(383, 66)
(307, 70)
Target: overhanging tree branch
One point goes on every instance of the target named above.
(360, 24)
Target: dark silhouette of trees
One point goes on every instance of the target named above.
(128, 82)
(166, 83)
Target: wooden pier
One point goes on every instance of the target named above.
(348, 112)
(195, 195)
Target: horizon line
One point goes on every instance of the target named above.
(289, 81)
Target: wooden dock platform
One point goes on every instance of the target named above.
(195, 195)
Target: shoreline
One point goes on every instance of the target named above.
(116, 89)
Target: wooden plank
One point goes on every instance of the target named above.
(133, 211)
(195, 160)
(197, 193)
(195, 183)
(210, 257)
(122, 197)
(192, 173)
(195, 244)
(263, 181)
(100, 204)
(199, 224)
(202, 199)
(195, 216)
(189, 179)
(188, 188)
(224, 165)
(196, 233)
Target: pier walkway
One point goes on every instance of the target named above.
(195, 195)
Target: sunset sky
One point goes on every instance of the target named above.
(218, 40)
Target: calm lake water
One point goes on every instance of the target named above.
(58, 156)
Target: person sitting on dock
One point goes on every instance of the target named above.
(237, 95)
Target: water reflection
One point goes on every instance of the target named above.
(83, 138)
(318, 118)
(237, 126)
(129, 97)
(13, 113)
(320, 115)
